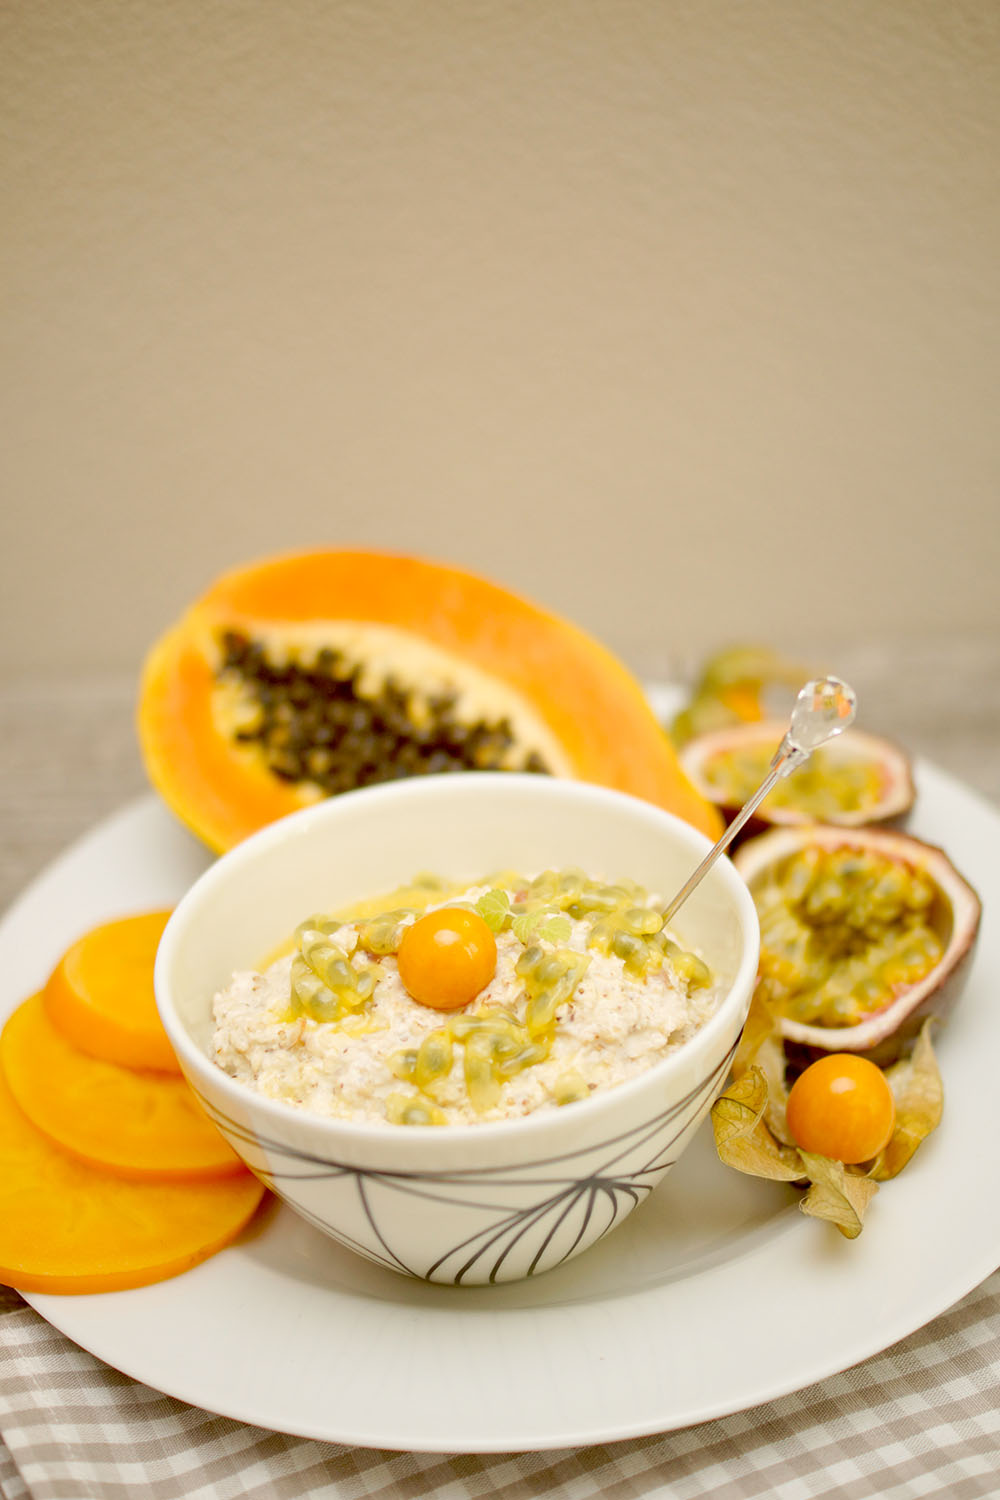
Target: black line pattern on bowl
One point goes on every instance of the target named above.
(624, 1176)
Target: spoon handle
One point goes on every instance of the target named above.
(823, 709)
(779, 767)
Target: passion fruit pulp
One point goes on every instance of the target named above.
(864, 934)
(852, 781)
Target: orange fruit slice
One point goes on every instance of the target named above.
(137, 1124)
(100, 994)
(68, 1227)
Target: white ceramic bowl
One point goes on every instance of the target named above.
(457, 1203)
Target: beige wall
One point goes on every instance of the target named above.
(682, 317)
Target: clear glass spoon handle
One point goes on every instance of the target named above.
(823, 709)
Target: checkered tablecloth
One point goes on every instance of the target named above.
(921, 1419)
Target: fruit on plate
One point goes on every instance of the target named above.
(447, 957)
(100, 994)
(841, 1106)
(739, 684)
(844, 1126)
(130, 1121)
(305, 675)
(853, 780)
(111, 1175)
(69, 1227)
(864, 934)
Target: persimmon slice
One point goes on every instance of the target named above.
(100, 994)
(137, 1124)
(69, 1227)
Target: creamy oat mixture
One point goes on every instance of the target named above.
(384, 1056)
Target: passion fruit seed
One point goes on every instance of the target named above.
(325, 985)
(312, 720)
(495, 1048)
(434, 1058)
(407, 1109)
(636, 936)
(326, 926)
(843, 931)
(827, 785)
(570, 1087)
(627, 926)
(549, 981)
(692, 969)
(481, 1083)
(382, 935)
(496, 1045)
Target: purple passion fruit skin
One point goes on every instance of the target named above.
(855, 780)
(770, 865)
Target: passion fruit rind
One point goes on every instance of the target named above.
(887, 1033)
(854, 781)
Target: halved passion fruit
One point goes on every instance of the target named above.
(864, 934)
(852, 781)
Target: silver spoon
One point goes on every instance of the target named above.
(823, 709)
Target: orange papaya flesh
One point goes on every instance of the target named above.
(591, 707)
(100, 994)
(67, 1227)
(134, 1123)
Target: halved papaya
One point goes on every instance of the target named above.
(304, 675)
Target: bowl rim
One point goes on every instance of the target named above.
(378, 1132)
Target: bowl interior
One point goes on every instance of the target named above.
(367, 843)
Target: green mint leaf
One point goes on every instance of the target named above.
(524, 924)
(494, 908)
(542, 922)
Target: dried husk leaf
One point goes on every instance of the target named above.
(759, 1025)
(917, 1089)
(761, 1045)
(751, 1133)
(837, 1194)
(742, 1139)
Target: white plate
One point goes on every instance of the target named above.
(714, 1296)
